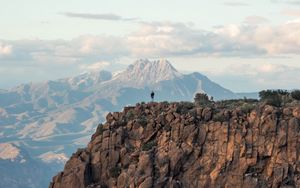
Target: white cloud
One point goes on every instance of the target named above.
(245, 77)
(235, 3)
(293, 2)
(182, 40)
(255, 20)
(269, 68)
(278, 40)
(5, 49)
(96, 66)
(230, 31)
(291, 12)
(111, 17)
(163, 39)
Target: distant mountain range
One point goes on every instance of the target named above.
(60, 116)
(18, 169)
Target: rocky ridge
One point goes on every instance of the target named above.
(183, 145)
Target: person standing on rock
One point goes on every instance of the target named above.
(152, 95)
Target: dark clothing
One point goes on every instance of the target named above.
(152, 95)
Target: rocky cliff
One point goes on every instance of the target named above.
(183, 145)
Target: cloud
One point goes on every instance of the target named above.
(292, 13)
(293, 2)
(5, 49)
(270, 68)
(111, 17)
(235, 3)
(254, 39)
(96, 66)
(274, 40)
(257, 69)
(161, 39)
(255, 20)
(257, 75)
(156, 39)
(176, 39)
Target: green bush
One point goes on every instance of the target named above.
(247, 108)
(201, 99)
(165, 103)
(275, 101)
(184, 107)
(219, 117)
(148, 146)
(296, 95)
(143, 121)
(273, 97)
(267, 94)
(187, 105)
(115, 171)
(230, 104)
(129, 115)
(100, 129)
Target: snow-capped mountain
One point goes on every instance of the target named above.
(75, 105)
(145, 73)
(55, 117)
(88, 79)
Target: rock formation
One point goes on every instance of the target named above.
(183, 145)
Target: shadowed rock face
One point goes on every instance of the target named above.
(180, 145)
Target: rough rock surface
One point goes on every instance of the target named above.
(181, 145)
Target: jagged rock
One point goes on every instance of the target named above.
(109, 117)
(207, 114)
(168, 145)
(296, 112)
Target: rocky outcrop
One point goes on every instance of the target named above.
(182, 145)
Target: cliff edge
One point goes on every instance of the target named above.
(187, 145)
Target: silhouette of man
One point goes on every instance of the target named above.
(152, 95)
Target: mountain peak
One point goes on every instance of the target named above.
(162, 64)
(145, 71)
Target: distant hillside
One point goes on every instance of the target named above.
(18, 169)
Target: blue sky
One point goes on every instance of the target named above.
(243, 45)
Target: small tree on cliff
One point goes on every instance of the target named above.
(296, 95)
(201, 99)
(274, 97)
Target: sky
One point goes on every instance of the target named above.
(242, 45)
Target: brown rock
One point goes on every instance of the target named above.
(296, 112)
(260, 149)
(147, 183)
(207, 114)
(170, 117)
(287, 111)
(109, 117)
